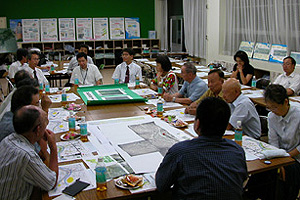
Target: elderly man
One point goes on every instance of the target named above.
(193, 87)
(21, 167)
(127, 71)
(284, 133)
(242, 109)
(209, 166)
(34, 71)
(73, 62)
(87, 74)
(289, 80)
(215, 82)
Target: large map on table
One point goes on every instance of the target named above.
(106, 94)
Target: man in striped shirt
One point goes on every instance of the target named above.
(21, 168)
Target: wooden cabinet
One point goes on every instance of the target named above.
(107, 52)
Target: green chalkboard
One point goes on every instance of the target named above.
(30, 9)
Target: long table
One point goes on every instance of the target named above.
(98, 112)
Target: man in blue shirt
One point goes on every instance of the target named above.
(207, 167)
(193, 87)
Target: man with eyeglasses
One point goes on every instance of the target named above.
(31, 67)
(284, 133)
(21, 167)
(289, 80)
(127, 71)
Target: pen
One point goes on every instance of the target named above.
(76, 154)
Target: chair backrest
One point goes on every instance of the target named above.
(264, 125)
(262, 83)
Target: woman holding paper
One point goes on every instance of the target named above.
(165, 76)
(242, 70)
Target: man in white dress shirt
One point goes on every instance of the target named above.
(73, 62)
(18, 65)
(127, 71)
(87, 74)
(289, 80)
(31, 67)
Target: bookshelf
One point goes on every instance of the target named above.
(107, 52)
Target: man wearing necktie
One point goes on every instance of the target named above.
(127, 71)
(31, 67)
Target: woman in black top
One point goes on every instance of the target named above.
(242, 70)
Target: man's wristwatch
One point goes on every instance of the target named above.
(174, 98)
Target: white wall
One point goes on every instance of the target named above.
(215, 38)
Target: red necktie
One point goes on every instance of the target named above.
(127, 75)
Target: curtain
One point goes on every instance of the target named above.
(161, 22)
(194, 14)
(271, 21)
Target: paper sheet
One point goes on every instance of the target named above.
(69, 174)
(253, 93)
(141, 60)
(201, 74)
(72, 150)
(58, 126)
(57, 114)
(56, 98)
(144, 92)
(179, 113)
(149, 183)
(166, 104)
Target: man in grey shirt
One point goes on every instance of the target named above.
(242, 109)
(193, 87)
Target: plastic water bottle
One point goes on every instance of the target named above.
(238, 136)
(160, 107)
(101, 175)
(63, 97)
(76, 81)
(71, 122)
(41, 89)
(137, 82)
(52, 68)
(160, 89)
(116, 81)
(83, 130)
(253, 83)
(47, 89)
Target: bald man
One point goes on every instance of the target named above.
(21, 167)
(242, 109)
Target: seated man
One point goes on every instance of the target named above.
(242, 109)
(193, 87)
(207, 167)
(21, 167)
(284, 133)
(34, 71)
(87, 74)
(24, 95)
(215, 82)
(5, 106)
(18, 65)
(127, 71)
(289, 80)
(73, 62)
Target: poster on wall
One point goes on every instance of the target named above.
(66, 29)
(31, 30)
(49, 30)
(261, 51)
(296, 56)
(84, 28)
(100, 28)
(132, 27)
(278, 53)
(16, 26)
(248, 47)
(117, 28)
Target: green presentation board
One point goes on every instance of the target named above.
(108, 94)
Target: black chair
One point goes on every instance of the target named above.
(262, 83)
(264, 128)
